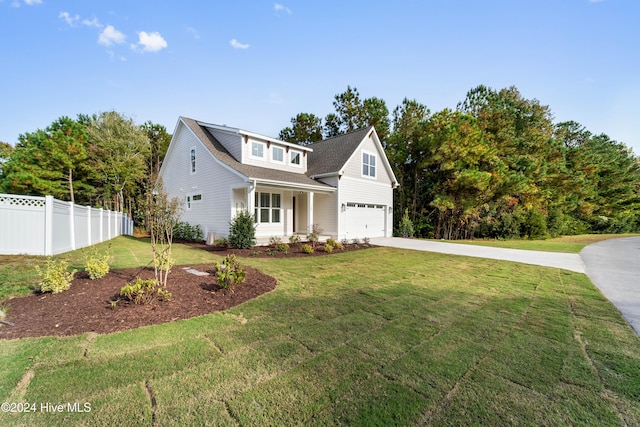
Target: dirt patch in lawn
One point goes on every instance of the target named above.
(86, 306)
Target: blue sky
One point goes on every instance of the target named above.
(255, 64)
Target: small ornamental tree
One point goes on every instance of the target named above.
(162, 214)
(242, 230)
(406, 225)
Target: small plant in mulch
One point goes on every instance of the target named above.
(335, 244)
(55, 277)
(96, 264)
(307, 249)
(143, 292)
(294, 239)
(229, 273)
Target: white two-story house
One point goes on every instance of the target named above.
(343, 185)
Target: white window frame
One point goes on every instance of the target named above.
(267, 208)
(192, 160)
(369, 164)
(264, 149)
(299, 153)
(273, 153)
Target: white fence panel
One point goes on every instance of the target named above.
(46, 226)
(62, 233)
(17, 210)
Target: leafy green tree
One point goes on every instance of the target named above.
(46, 162)
(119, 150)
(305, 129)
(159, 140)
(5, 153)
(406, 150)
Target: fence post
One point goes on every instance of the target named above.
(48, 225)
(89, 225)
(72, 226)
(101, 225)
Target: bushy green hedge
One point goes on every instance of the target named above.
(187, 232)
(242, 230)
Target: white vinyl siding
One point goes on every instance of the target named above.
(231, 141)
(212, 182)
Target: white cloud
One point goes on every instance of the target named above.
(151, 42)
(32, 2)
(237, 45)
(92, 23)
(70, 20)
(110, 36)
(193, 32)
(281, 8)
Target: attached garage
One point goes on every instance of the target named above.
(365, 220)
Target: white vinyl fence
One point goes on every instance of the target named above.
(47, 226)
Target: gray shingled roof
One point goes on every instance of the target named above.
(251, 172)
(330, 155)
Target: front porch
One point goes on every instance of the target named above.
(283, 212)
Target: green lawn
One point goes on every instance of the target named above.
(377, 337)
(569, 244)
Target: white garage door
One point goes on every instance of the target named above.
(365, 220)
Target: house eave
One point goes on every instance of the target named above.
(293, 186)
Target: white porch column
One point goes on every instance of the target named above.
(310, 211)
(251, 198)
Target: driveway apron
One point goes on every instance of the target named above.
(614, 267)
(571, 262)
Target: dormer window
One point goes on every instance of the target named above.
(277, 154)
(295, 157)
(257, 150)
(368, 165)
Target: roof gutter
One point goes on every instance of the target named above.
(322, 189)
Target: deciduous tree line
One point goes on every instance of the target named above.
(497, 166)
(101, 160)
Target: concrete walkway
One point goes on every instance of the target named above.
(571, 262)
(614, 267)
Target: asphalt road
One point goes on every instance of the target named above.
(614, 267)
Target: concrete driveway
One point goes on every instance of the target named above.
(571, 262)
(612, 265)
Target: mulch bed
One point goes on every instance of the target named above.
(86, 306)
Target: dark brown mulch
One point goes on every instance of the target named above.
(294, 251)
(86, 306)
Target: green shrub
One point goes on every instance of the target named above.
(229, 273)
(187, 232)
(282, 247)
(335, 244)
(405, 229)
(97, 264)
(242, 230)
(327, 248)
(274, 241)
(221, 242)
(294, 239)
(55, 277)
(307, 249)
(144, 291)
